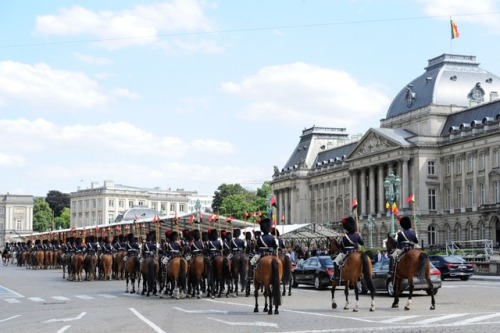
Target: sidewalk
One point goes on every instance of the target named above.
(485, 277)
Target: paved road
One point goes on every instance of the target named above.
(40, 301)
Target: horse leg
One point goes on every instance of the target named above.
(356, 292)
(267, 294)
(256, 294)
(431, 291)
(346, 293)
(397, 287)
(334, 286)
(410, 282)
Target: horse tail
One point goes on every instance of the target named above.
(423, 260)
(243, 269)
(367, 271)
(275, 282)
(151, 275)
(226, 273)
(182, 275)
(287, 269)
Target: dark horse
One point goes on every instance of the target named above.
(412, 263)
(5, 257)
(287, 273)
(221, 274)
(239, 267)
(149, 270)
(199, 269)
(356, 265)
(132, 271)
(269, 272)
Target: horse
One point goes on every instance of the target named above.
(357, 265)
(268, 273)
(132, 271)
(119, 264)
(107, 265)
(77, 261)
(221, 274)
(412, 263)
(149, 270)
(6, 257)
(176, 275)
(199, 269)
(239, 267)
(287, 273)
(39, 257)
(47, 258)
(90, 263)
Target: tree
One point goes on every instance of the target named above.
(224, 191)
(62, 221)
(42, 215)
(58, 201)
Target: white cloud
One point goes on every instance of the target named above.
(93, 60)
(300, 93)
(465, 11)
(213, 147)
(138, 26)
(11, 160)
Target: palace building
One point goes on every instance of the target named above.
(435, 157)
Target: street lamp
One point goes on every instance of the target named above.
(391, 185)
(371, 221)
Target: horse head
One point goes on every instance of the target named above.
(390, 243)
(334, 245)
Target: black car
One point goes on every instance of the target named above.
(384, 283)
(315, 271)
(452, 267)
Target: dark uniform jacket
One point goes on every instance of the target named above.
(214, 247)
(197, 247)
(350, 242)
(266, 244)
(174, 249)
(406, 239)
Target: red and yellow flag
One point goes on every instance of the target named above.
(454, 30)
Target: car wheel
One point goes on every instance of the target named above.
(464, 278)
(435, 291)
(317, 283)
(390, 287)
(294, 282)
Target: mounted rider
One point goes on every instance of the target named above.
(214, 246)
(266, 244)
(173, 247)
(349, 243)
(131, 246)
(237, 244)
(407, 240)
(149, 248)
(6, 249)
(197, 247)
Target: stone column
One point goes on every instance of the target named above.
(362, 200)
(381, 193)
(405, 181)
(371, 189)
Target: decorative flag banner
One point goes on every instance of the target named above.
(117, 228)
(135, 219)
(454, 30)
(176, 220)
(283, 217)
(411, 198)
(229, 219)
(273, 202)
(395, 209)
(245, 215)
(354, 204)
(191, 219)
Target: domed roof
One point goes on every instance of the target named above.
(449, 79)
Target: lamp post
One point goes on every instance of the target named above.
(391, 185)
(371, 221)
(197, 207)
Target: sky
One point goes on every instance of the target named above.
(192, 94)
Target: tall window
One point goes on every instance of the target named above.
(481, 161)
(459, 196)
(94, 204)
(181, 208)
(130, 204)
(458, 233)
(470, 196)
(481, 230)
(448, 167)
(482, 194)
(448, 198)
(111, 218)
(459, 165)
(432, 235)
(111, 203)
(432, 199)
(2, 210)
(431, 167)
(469, 163)
(19, 224)
(172, 207)
(495, 158)
(496, 191)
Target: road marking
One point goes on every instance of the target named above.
(147, 321)
(433, 320)
(63, 329)
(36, 299)
(202, 311)
(4, 290)
(106, 295)
(396, 319)
(84, 297)
(60, 298)
(12, 300)
(2, 320)
(253, 323)
(80, 316)
(476, 319)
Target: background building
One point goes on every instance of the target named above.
(100, 205)
(16, 217)
(438, 144)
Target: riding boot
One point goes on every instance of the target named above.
(391, 266)
(336, 273)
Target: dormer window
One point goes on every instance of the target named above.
(410, 97)
(477, 93)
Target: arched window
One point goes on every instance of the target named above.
(448, 236)
(431, 235)
(469, 232)
(481, 230)
(458, 233)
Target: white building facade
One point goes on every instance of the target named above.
(16, 217)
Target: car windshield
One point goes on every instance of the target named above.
(326, 261)
(454, 259)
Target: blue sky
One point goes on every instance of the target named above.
(192, 94)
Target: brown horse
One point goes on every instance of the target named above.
(356, 265)
(90, 264)
(149, 270)
(77, 262)
(268, 273)
(239, 267)
(221, 273)
(199, 269)
(47, 257)
(119, 264)
(412, 263)
(6, 258)
(132, 272)
(39, 257)
(176, 276)
(107, 265)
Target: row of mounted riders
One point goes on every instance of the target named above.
(197, 263)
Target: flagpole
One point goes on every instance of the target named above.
(414, 215)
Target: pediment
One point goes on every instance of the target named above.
(371, 144)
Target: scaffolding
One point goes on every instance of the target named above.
(473, 250)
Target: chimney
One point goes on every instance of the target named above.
(493, 96)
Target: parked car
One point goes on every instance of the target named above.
(452, 267)
(315, 271)
(384, 283)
